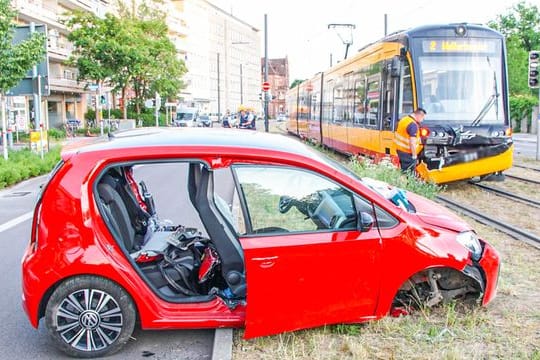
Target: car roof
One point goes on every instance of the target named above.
(189, 137)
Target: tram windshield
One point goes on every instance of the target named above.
(461, 82)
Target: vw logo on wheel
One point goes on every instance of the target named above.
(89, 319)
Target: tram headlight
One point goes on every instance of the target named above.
(460, 30)
(471, 242)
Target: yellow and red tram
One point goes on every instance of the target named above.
(457, 72)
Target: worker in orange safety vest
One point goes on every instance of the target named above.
(407, 139)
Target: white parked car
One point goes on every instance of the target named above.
(281, 117)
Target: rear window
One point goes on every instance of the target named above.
(184, 116)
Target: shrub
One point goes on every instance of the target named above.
(392, 175)
(521, 107)
(24, 164)
(56, 134)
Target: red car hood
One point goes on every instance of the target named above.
(427, 211)
(432, 213)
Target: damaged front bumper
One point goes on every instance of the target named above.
(490, 266)
(466, 165)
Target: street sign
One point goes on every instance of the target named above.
(265, 86)
(28, 85)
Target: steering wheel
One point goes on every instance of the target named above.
(285, 203)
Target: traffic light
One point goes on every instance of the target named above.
(534, 79)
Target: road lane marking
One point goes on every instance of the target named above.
(14, 222)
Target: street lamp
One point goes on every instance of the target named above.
(241, 86)
(241, 70)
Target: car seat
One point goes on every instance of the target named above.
(219, 230)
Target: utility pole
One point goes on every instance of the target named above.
(36, 96)
(241, 85)
(218, 90)
(265, 70)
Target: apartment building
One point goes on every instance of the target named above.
(222, 56)
(68, 99)
(221, 53)
(278, 77)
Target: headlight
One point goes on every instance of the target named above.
(471, 242)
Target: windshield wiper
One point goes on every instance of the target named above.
(493, 99)
(489, 103)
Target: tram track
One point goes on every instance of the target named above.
(508, 195)
(519, 178)
(500, 225)
(526, 167)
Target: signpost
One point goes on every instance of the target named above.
(265, 86)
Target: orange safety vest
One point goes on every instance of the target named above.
(401, 136)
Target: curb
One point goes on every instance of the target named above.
(222, 348)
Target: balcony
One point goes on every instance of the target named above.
(65, 85)
(35, 11)
(177, 26)
(86, 5)
(58, 53)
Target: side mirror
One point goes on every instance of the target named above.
(365, 221)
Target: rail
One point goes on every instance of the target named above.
(508, 195)
(526, 167)
(487, 220)
(522, 179)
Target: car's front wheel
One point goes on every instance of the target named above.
(90, 316)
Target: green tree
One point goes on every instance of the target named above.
(15, 60)
(159, 69)
(130, 51)
(521, 27)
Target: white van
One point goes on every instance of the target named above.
(186, 117)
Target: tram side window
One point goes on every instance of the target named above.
(339, 105)
(327, 102)
(315, 96)
(360, 102)
(307, 97)
(349, 99)
(407, 99)
(373, 94)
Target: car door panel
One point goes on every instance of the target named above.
(296, 281)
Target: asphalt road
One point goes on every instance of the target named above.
(19, 340)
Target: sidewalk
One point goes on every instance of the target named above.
(524, 137)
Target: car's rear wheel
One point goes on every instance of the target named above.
(90, 316)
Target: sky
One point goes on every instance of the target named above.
(299, 30)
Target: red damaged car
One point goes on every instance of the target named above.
(190, 228)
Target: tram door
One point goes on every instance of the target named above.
(389, 118)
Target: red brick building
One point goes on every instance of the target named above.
(278, 77)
